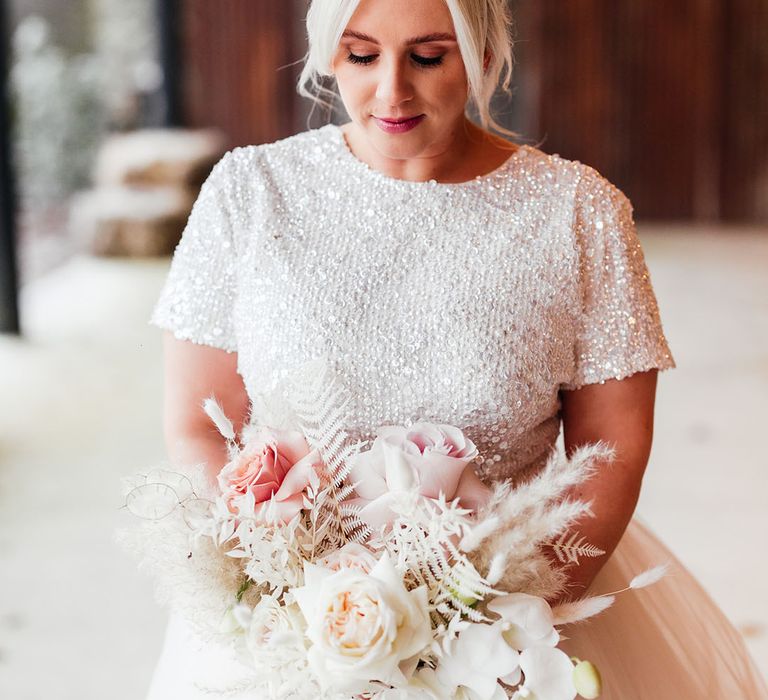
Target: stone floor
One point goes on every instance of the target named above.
(81, 407)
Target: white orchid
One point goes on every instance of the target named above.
(478, 659)
(548, 675)
(423, 685)
(364, 628)
(466, 694)
(527, 620)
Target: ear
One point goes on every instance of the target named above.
(486, 61)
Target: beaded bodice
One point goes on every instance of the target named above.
(472, 303)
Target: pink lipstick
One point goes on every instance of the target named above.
(398, 126)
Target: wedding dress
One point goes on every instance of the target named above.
(472, 304)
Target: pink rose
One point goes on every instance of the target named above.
(268, 478)
(434, 457)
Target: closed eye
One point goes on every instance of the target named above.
(364, 60)
(424, 61)
(427, 60)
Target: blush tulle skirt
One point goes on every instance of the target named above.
(666, 642)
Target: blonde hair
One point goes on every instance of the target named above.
(483, 27)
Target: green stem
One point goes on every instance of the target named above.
(244, 586)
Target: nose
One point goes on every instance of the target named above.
(394, 85)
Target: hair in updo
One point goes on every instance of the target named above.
(482, 27)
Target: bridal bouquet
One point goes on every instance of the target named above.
(391, 572)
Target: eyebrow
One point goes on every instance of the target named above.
(437, 36)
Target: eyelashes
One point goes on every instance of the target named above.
(361, 60)
(423, 61)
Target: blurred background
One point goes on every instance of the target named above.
(114, 111)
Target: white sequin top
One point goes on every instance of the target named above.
(472, 303)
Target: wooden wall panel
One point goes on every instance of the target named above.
(668, 100)
(577, 101)
(234, 58)
(666, 86)
(744, 175)
(618, 90)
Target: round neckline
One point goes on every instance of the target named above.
(347, 154)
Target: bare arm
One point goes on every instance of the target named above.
(619, 412)
(192, 374)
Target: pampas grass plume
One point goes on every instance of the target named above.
(579, 610)
(497, 568)
(219, 418)
(477, 534)
(649, 577)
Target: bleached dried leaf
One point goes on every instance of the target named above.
(237, 554)
(314, 480)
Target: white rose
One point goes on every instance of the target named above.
(270, 625)
(362, 626)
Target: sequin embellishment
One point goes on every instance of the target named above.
(471, 303)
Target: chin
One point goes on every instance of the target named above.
(399, 146)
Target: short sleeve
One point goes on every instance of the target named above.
(619, 329)
(197, 300)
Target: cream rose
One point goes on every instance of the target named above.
(351, 556)
(362, 626)
(436, 458)
(268, 478)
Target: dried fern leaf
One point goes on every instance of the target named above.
(320, 402)
(572, 545)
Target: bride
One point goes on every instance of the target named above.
(452, 276)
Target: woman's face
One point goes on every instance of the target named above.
(401, 77)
